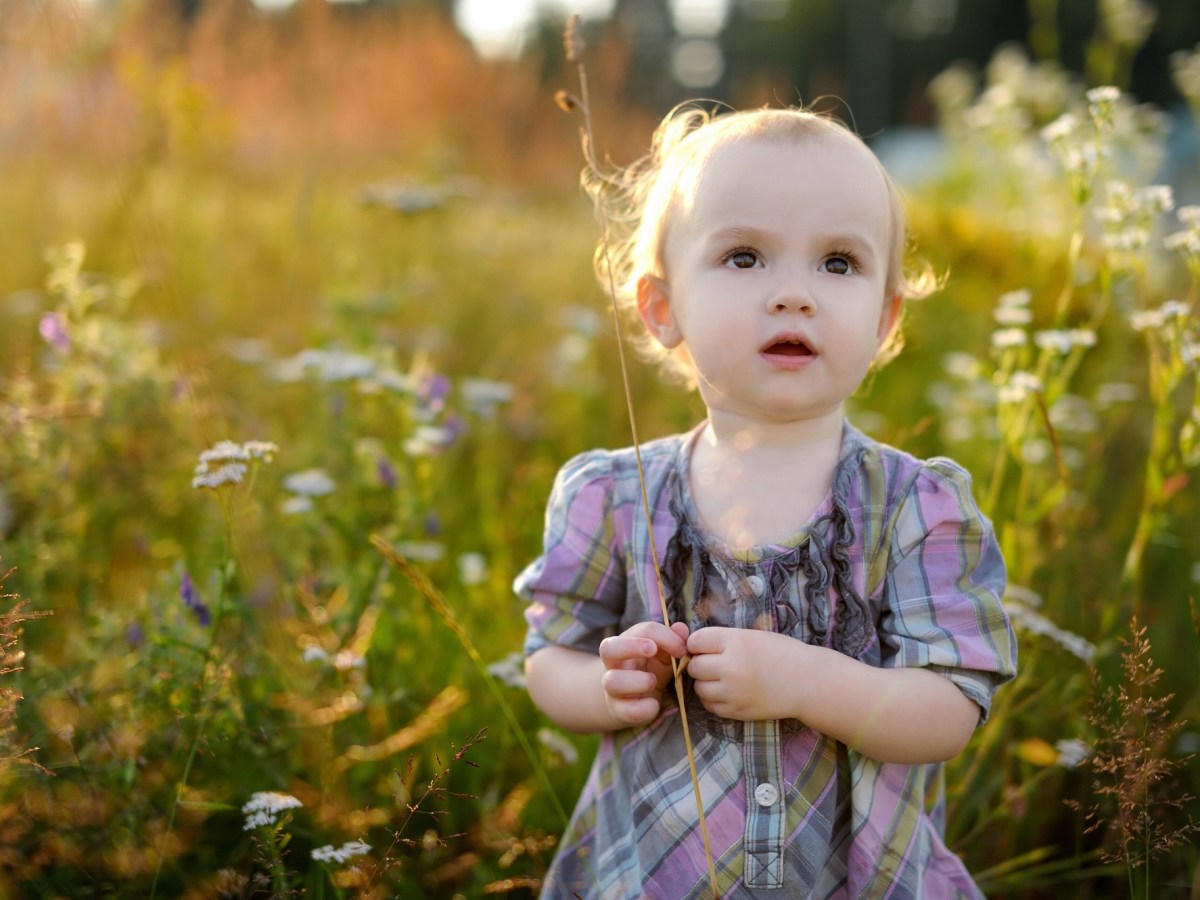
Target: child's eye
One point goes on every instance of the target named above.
(742, 259)
(841, 264)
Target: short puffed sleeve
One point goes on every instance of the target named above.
(576, 589)
(941, 605)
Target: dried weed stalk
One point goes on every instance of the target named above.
(574, 47)
(11, 656)
(434, 789)
(1132, 767)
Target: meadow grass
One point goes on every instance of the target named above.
(368, 248)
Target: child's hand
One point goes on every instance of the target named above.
(637, 666)
(743, 674)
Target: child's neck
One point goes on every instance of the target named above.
(759, 483)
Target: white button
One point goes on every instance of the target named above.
(765, 794)
(756, 585)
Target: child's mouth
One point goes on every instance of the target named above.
(788, 348)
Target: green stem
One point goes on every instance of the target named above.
(225, 580)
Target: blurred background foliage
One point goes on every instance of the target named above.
(343, 229)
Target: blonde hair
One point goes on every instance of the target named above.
(635, 204)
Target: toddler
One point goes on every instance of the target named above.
(839, 599)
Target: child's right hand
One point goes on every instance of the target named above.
(637, 667)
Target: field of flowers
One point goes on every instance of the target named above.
(298, 327)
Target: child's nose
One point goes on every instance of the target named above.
(792, 297)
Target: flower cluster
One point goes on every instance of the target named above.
(1186, 242)
(1023, 605)
(228, 462)
(304, 486)
(1128, 216)
(342, 854)
(263, 808)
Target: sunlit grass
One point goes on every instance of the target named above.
(423, 374)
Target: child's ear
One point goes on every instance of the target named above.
(889, 317)
(654, 306)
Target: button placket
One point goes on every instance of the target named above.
(765, 822)
(765, 811)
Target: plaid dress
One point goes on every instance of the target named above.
(896, 567)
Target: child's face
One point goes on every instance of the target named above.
(775, 276)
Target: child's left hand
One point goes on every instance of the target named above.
(744, 674)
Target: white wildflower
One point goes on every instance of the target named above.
(483, 396)
(1035, 451)
(582, 319)
(940, 394)
(1146, 319)
(345, 660)
(233, 458)
(1007, 338)
(428, 440)
(1082, 161)
(1072, 752)
(1113, 392)
(314, 653)
(962, 365)
(421, 551)
(342, 854)
(1021, 297)
(230, 473)
(1104, 94)
(1175, 309)
(309, 483)
(264, 450)
(1019, 386)
(1187, 242)
(1061, 129)
(1025, 617)
(558, 744)
(394, 381)
(264, 807)
(1073, 414)
(295, 506)
(1055, 341)
(572, 349)
(1189, 215)
(225, 451)
(1128, 240)
(1155, 199)
(957, 430)
(1082, 337)
(1189, 352)
(1102, 103)
(250, 351)
(510, 670)
(329, 365)
(1012, 315)
(472, 568)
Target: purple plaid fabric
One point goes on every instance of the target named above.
(897, 567)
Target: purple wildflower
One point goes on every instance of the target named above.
(433, 391)
(134, 635)
(454, 426)
(191, 599)
(386, 472)
(54, 332)
(433, 524)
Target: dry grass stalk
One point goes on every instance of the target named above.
(11, 656)
(1132, 767)
(574, 47)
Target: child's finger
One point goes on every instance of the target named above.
(672, 641)
(615, 651)
(706, 640)
(635, 712)
(628, 683)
